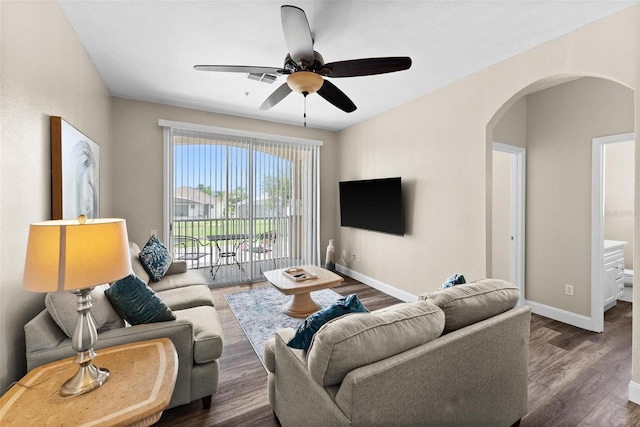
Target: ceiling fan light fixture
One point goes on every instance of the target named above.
(305, 82)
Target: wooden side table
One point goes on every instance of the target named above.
(143, 375)
(301, 304)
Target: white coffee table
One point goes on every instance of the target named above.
(301, 304)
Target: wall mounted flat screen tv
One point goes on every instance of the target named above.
(372, 204)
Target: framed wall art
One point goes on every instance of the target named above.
(75, 172)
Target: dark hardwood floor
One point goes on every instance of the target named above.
(576, 378)
(581, 378)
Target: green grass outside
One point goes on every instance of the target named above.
(203, 228)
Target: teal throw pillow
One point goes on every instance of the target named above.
(456, 279)
(305, 332)
(136, 302)
(156, 258)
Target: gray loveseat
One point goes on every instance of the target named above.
(196, 332)
(456, 357)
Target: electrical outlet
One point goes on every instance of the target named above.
(568, 290)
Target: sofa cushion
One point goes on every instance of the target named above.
(136, 264)
(191, 296)
(156, 258)
(207, 332)
(359, 339)
(136, 302)
(62, 307)
(469, 303)
(304, 334)
(174, 281)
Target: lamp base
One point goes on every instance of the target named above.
(87, 378)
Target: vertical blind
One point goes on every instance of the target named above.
(237, 204)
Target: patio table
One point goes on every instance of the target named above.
(226, 253)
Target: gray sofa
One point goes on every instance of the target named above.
(456, 357)
(195, 333)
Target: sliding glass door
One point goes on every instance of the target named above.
(240, 204)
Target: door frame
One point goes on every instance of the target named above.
(597, 225)
(517, 214)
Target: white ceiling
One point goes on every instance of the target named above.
(146, 50)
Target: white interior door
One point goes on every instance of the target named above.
(509, 187)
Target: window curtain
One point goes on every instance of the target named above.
(240, 203)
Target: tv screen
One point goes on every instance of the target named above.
(372, 204)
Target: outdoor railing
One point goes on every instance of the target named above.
(201, 229)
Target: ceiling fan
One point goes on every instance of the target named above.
(305, 67)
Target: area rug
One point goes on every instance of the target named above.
(259, 312)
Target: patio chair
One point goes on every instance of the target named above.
(189, 248)
(263, 246)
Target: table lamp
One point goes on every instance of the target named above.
(76, 255)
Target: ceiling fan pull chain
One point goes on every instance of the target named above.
(305, 108)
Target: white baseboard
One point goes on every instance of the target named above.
(376, 284)
(634, 392)
(627, 295)
(563, 316)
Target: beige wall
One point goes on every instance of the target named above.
(441, 159)
(561, 122)
(512, 127)
(501, 216)
(45, 72)
(618, 196)
(439, 144)
(137, 181)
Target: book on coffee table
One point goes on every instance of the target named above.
(298, 274)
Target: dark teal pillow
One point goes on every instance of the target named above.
(156, 258)
(136, 302)
(456, 279)
(305, 332)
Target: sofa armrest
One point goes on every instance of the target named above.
(270, 348)
(43, 333)
(177, 266)
(295, 392)
(45, 342)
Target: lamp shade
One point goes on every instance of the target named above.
(67, 254)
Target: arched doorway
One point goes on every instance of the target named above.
(559, 119)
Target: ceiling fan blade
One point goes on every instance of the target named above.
(297, 34)
(277, 96)
(331, 93)
(365, 67)
(239, 69)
